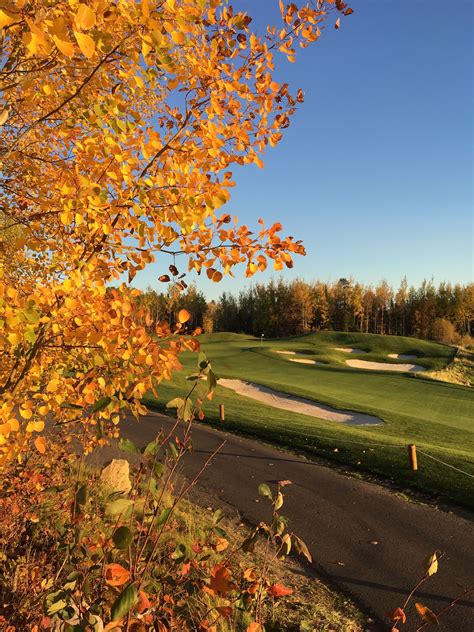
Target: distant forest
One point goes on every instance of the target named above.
(279, 308)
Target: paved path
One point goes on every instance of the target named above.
(362, 537)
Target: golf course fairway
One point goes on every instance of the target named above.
(435, 416)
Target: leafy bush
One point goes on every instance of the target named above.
(78, 556)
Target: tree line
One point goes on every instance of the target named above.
(443, 312)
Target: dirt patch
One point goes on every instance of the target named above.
(295, 404)
(402, 356)
(286, 352)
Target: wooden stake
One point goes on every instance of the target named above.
(412, 457)
(221, 412)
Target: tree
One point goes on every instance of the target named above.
(444, 331)
(120, 124)
(303, 305)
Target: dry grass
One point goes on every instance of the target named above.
(459, 371)
(313, 606)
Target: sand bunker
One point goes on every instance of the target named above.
(286, 352)
(349, 350)
(402, 356)
(385, 366)
(300, 405)
(303, 361)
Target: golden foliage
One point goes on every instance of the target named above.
(119, 126)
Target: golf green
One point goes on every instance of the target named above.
(435, 416)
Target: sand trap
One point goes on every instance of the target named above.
(295, 404)
(385, 366)
(303, 361)
(349, 350)
(286, 352)
(402, 356)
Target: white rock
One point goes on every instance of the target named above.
(117, 476)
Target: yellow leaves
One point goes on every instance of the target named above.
(178, 37)
(432, 564)
(8, 17)
(61, 38)
(26, 413)
(52, 386)
(221, 544)
(4, 117)
(86, 44)
(85, 17)
(5, 429)
(40, 444)
(35, 426)
(259, 162)
(65, 218)
(14, 339)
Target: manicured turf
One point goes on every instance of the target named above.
(436, 416)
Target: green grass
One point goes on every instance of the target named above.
(436, 416)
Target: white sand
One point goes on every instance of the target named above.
(303, 361)
(402, 356)
(286, 352)
(385, 366)
(349, 350)
(300, 405)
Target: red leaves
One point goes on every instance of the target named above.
(220, 580)
(278, 590)
(398, 615)
(164, 278)
(144, 603)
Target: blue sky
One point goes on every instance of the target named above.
(375, 171)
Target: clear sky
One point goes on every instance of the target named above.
(375, 172)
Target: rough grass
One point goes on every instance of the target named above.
(436, 416)
(312, 606)
(459, 371)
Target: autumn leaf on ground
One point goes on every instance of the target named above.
(116, 575)
(278, 590)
